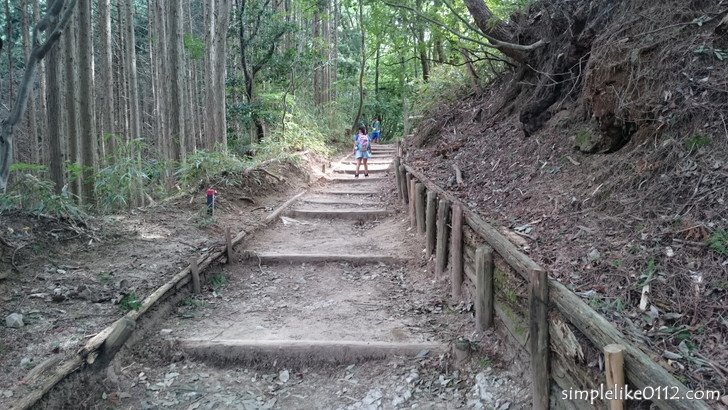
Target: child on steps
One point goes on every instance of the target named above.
(362, 151)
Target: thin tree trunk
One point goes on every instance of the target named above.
(9, 47)
(43, 130)
(221, 72)
(361, 67)
(162, 99)
(87, 126)
(56, 130)
(107, 78)
(134, 111)
(71, 100)
(177, 71)
(189, 110)
(32, 113)
(211, 125)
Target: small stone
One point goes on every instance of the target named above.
(6, 393)
(14, 320)
(26, 362)
(165, 332)
(505, 406)
(594, 255)
(669, 252)
(283, 376)
(60, 271)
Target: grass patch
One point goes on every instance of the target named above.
(697, 141)
(104, 277)
(130, 302)
(218, 281)
(485, 363)
(718, 242)
(194, 303)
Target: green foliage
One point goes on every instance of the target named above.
(503, 9)
(718, 242)
(28, 168)
(130, 302)
(203, 167)
(218, 282)
(195, 46)
(194, 303)
(447, 84)
(721, 55)
(300, 131)
(124, 180)
(37, 196)
(697, 141)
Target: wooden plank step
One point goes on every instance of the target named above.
(349, 192)
(361, 170)
(352, 180)
(334, 201)
(294, 353)
(339, 213)
(271, 258)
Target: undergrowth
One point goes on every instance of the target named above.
(37, 196)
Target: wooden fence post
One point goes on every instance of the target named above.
(420, 206)
(405, 184)
(456, 250)
(614, 368)
(398, 175)
(195, 272)
(484, 289)
(412, 201)
(228, 246)
(430, 221)
(539, 337)
(443, 233)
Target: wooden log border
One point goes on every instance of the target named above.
(640, 370)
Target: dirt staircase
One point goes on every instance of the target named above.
(326, 311)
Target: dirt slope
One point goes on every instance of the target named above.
(610, 159)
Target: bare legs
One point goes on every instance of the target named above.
(358, 164)
(366, 168)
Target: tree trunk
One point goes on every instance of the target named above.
(223, 23)
(134, 111)
(177, 70)
(316, 34)
(162, 88)
(43, 127)
(9, 47)
(32, 114)
(211, 126)
(335, 54)
(56, 131)
(492, 27)
(106, 91)
(362, 66)
(87, 126)
(71, 101)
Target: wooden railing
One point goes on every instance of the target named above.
(487, 264)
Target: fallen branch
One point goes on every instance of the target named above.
(458, 175)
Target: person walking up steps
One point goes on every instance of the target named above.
(362, 151)
(376, 128)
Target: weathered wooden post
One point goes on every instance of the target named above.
(539, 337)
(420, 206)
(430, 222)
(614, 368)
(484, 290)
(405, 184)
(398, 175)
(195, 272)
(228, 246)
(456, 250)
(443, 233)
(412, 201)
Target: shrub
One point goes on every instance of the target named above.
(37, 196)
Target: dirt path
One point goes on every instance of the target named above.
(310, 316)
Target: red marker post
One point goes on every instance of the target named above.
(211, 193)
